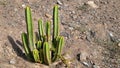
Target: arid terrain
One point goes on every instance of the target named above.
(91, 29)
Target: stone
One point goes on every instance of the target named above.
(112, 38)
(12, 61)
(86, 64)
(92, 4)
(119, 44)
(23, 5)
(48, 16)
(59, 2)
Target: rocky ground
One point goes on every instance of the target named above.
(91, 30)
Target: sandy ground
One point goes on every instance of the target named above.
(91, 31)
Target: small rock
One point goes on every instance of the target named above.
(82, 56)
(111, 34)
(73, 12)
(71, 28)
(59, 2)
(23, 5)
(12, 61)
(86, 64)
(92, 4)
(119, 44)
(48, 16)
(112, 38)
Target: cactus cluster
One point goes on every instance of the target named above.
(44, 48)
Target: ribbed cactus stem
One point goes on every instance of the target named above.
(25, 44)
(48, 31)
(39, 45)
(59, 46)
(40, 29)
(55, 22)
(46, 53)
(41, 55)
(36, 55)
(29, 27)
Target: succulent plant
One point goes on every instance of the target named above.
(47, 48)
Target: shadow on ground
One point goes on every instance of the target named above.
(16, 46)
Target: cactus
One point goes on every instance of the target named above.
(46, 53)
(55, 22)
(29, 28)
(60, 42)
(47, 48)
(40, 29)
(26, 46)
(36, 55)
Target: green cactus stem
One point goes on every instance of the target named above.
(25, 45)
(46, 53)
(29, 28)
(36, 55)
(59, 47)
(40, 29)
(39, 45)
(48, 31)
(41, 55)
(55, 22)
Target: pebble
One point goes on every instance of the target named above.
(119, 44)
(86, 64)
(73, 12)
(112, 38)
(71, 28)
(23, 5)
(82, 56)
(111, 34)
(59, 2)
(48, 16)
(12, 61)
(92, 4)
